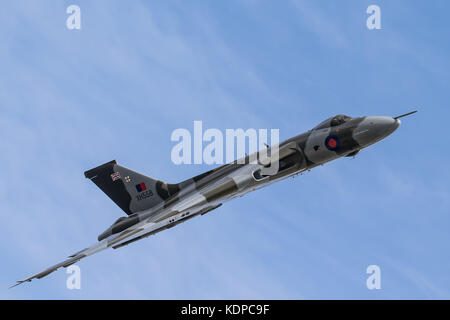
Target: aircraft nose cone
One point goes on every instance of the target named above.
(375, 128)
(386, 125)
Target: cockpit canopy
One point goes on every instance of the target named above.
(332, 122)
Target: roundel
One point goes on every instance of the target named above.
(332, 143)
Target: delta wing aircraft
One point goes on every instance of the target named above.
(153, 206)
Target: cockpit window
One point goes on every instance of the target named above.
(340, 119)
(333, 121)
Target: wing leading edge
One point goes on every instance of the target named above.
(72, 259)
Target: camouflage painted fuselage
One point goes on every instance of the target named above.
(171, 204)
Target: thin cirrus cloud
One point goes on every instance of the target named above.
(116, 89)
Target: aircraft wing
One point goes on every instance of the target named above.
(71, 260)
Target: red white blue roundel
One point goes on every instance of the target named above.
(332, 142)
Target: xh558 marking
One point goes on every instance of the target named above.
(152, 205)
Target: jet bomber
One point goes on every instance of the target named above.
(152, 205)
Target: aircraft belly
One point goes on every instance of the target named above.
(222, 190)
(151, 228)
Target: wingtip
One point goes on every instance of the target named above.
(17, 283)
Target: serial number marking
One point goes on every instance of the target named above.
(144, 195)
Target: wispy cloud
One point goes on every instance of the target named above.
(117, 88)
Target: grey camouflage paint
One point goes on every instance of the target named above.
(297, 154)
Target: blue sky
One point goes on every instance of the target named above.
(116, 89)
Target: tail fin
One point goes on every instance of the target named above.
(130, 190)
